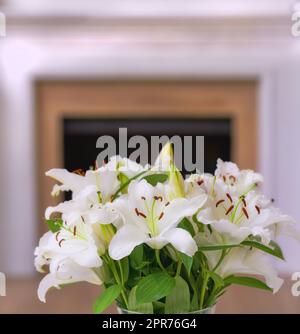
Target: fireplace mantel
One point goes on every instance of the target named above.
(201, 51)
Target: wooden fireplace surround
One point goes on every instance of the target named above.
(56, 100)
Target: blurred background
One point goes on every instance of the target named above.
(74, 70)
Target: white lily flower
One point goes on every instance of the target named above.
(235, 208)
(96, 217)
(76, 242)
(239, 261)
(74, 210)
(241, 180)
(196, 184)
(150, 218)
(66, 272)
(238, 215)
(104, 181)
(43, 253)
(72, 255)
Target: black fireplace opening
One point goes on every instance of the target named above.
(80, 136)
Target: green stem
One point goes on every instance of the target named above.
(158, 260)
(121, 272)
(178, 268)
(203, 290)
(220, 259)
(113, 268)
(125, 299)
(115, 272)
(126, 184)
(211, 297)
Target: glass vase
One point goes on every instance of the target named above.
(209, 310)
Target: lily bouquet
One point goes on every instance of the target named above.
(159, 243)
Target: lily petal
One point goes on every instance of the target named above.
(46, 283)
(178, 209)
(125, 240)
(181, 240)
(69, 272)
(70, 181)
(102, 215)
(231, 233)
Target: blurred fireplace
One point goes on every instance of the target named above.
(70, 116)
(80, 136)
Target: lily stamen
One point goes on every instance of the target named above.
(59, 244)
(245, 213)
(138, 213)
(257, 209)
(200, 182)
(161, 215)
(230, 208)
(229, 197)
(231, 177)
(219, 202)
(79, 171)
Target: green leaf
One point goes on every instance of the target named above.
(199, 262)
(153, 179)
(158, 307)
(187, 225)
(106, 298)
(154, 287)
(276, 251)
(106, 274)
(179, 299)
(136, 257)
(134, 277)
(54, 224)
(216, 247)
(247, 281)
(146, 308)
(187, 262)
(216, 278)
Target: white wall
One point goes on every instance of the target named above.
(154, 8)
(286, 134)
